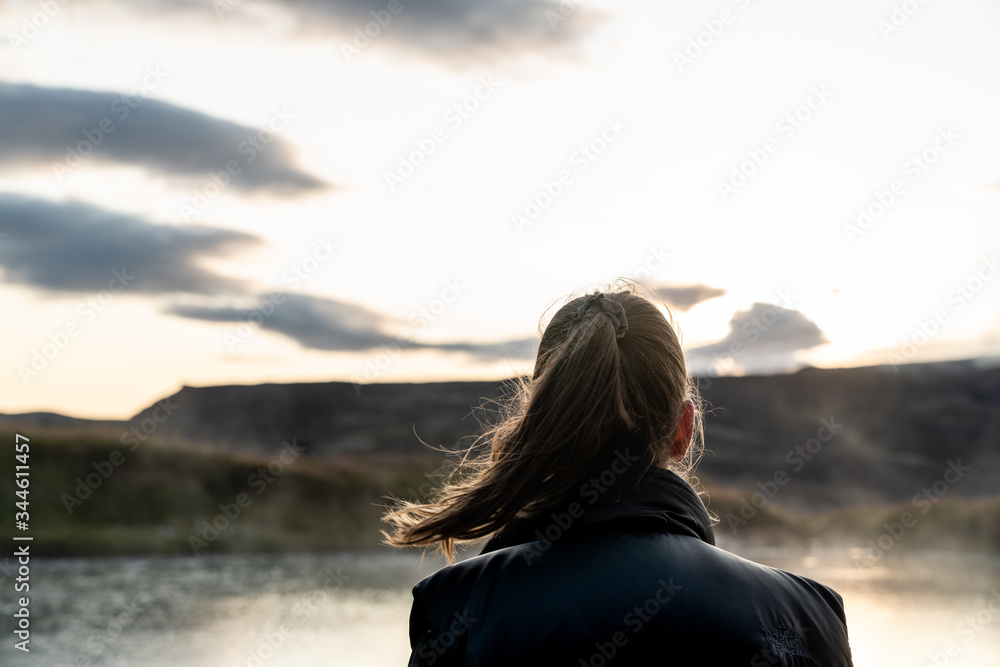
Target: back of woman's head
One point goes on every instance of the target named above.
(609, 379)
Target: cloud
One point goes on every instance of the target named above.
(49, 126)
(482, 29)
(326, 324)
(75, 247)
(763, 339)
(686, 297)
(450, 27)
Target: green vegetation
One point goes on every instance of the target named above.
(157, 498)
(951, 522)
(165, 499)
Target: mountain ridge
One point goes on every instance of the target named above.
(818, 438)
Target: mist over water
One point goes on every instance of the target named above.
(923, 608)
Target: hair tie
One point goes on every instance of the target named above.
(595, 303)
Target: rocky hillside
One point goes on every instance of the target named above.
(896, 433)
(814, 439)
(328, 418)
(818, 437)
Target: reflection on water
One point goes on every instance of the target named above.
(352, 609)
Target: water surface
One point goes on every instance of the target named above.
(352, 609)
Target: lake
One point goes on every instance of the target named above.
(352, 609)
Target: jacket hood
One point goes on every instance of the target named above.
(655, 500)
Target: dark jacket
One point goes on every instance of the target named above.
(624, 575)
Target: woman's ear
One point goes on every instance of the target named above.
(684, 432)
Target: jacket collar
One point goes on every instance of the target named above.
(656, 500)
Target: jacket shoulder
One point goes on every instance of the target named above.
(645, 593)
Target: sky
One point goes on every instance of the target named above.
(246, 191)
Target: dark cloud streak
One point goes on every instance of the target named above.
(335, 326)
(451, 29)
(686, 297)
(37, 124)
(75, 247)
